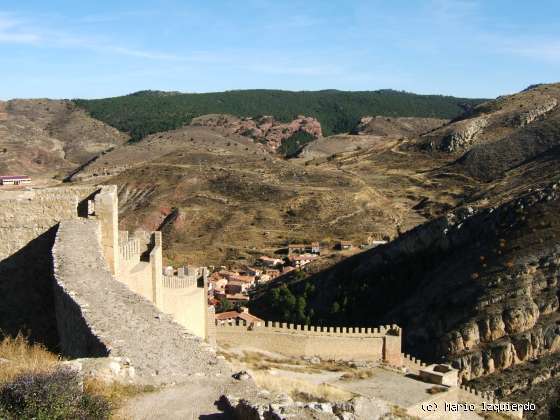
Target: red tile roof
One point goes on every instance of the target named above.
(245, 316)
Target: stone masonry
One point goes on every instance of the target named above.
(330, 343)
(123, 323)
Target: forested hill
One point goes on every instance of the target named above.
(148, 112)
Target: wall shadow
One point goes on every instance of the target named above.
(26, 292)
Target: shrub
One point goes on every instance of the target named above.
(53, 396)
(24, 358)
(293, 144)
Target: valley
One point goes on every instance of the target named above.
(468, 205)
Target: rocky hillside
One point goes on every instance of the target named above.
(501, 135)
(478, 285)
(222, 197)
(495, 120)
(45, 138)
(397, 126)
(266, 130)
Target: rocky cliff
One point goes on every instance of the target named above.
(477, 287)
(494, 120)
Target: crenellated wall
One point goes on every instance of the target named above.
(332, 343)
(182, 295)
(99, 316)
(28, 224)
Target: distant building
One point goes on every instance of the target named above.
(315, 248)
(372, 244)
(249, 280)
(299, 248)
(15, 180)
(226, 274)
(237, 298)
(251, 271)
(270, 262)
(269, 274)
(218, 285)
(234, 287)
(241, 315)
(344, 245)
(301, 260)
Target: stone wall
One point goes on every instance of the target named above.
(98, 315)
(188, 306)
(330, 343)
(28, 221)
(183, 296)
(133, 271)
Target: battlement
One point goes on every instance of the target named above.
(487, 397)
(329, 343)
(283, 327)
(129, 249)
(177, 282)
(413, 361)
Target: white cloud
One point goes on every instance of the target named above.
(12, 31)
(20, 31)
(546, 50)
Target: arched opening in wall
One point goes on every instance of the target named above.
(84, 209)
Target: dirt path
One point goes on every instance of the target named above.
(198, 399)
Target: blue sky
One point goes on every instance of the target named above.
(471, 48)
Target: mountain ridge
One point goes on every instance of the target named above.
(146, 112)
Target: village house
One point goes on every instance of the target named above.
(342, 245)
(234, 287)
(15, 180)
(218, 285)
(251, 271)
(226, 274)
(237, 298)
(315, 248)
(301, 260)
(269, 274)
(240, 315)
(248, 280)
(270, 262)
(299, 248)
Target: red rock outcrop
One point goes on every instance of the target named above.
(265, 129)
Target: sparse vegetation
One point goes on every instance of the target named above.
(55, 395)
(17, 357)
(224, 305)
(34, 384)
(356, 374)
(300, 390)
(293, 144)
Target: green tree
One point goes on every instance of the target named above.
(224, 305)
